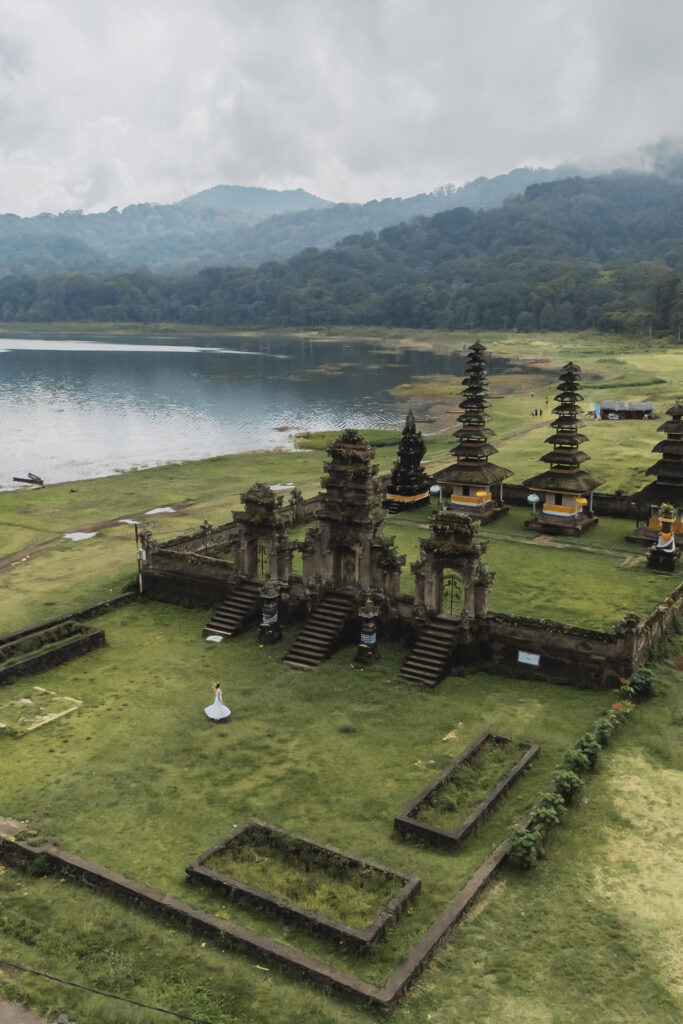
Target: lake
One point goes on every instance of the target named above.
(90, 407)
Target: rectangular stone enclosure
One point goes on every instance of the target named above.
(406, 822)
(360, 938)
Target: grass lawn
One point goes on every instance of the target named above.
(588, 581)
(138, 780)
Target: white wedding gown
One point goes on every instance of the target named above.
(217, 712)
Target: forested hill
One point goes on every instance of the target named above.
(605, 252)
(225, 224)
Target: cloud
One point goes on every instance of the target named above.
(104, 104)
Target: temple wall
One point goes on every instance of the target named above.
(553, 651)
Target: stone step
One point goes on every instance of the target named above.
(320, 634)
(234, 613)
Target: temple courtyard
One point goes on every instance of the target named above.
(137, 780)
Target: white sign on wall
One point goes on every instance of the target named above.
(526, 658)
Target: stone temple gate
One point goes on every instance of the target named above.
(347, 551)
(260, 547)
(451, 546)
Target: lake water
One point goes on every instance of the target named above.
(84, 408)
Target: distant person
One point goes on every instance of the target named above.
(218, 711)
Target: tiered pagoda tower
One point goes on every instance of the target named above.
(668, 487)
(348, 550)
(565, 489)
(475, 485)
(409, 486)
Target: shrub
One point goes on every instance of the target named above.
(589, 746)
(575, 760)
(603, 731)
(543, 818)
(554, 800)
(643, 682)
(524, 846)
(567, 783)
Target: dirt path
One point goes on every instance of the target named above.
(544, 541)
(15, 559)
(10, 1014)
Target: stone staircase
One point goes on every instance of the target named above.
(321, 634)
(236, 611)
(429, 660)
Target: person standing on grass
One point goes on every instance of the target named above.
(218, 711)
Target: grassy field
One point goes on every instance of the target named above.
(588, 581)
(139, 781)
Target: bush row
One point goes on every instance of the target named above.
(526, 843)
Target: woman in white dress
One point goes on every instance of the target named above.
(218, 711)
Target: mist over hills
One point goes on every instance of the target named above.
(203, 230)
(257, 200)
(604, 252)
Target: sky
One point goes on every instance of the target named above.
(112, 103)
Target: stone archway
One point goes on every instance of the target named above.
(451, 593)
(451, 551)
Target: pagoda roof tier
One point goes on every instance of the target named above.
(666, 468)
(578, 481)
(482, 432)
(477, 346)
(565, 457)
(475, 450)
(481, 473)
(570, 412)
(657, 492)
(569, 370)
(669, 447)
(675, 410)
(565, 437)
(672, 427)
(565, 422)
(568, 397)
(474, 403)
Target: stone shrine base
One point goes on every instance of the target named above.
(643, 535)
(665, 561)
(575, 527)
(484, 516)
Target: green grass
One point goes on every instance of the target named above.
(469, 785)
(22, 707)
(138, 780)
(319, 440)
(590, 581)
(352, 895)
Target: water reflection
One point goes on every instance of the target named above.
(78, 409)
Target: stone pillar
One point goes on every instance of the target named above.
(432, 587)
(284, 562)
(482, 586)
(367, 652)
(270, 631)
(468, 598)
(418, 572)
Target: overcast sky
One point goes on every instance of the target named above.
(110, 103)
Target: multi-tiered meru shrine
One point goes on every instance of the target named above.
(565, 490)
(474, 484)
(408, 487)
(667, 489)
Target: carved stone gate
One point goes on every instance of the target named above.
(451, 545)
